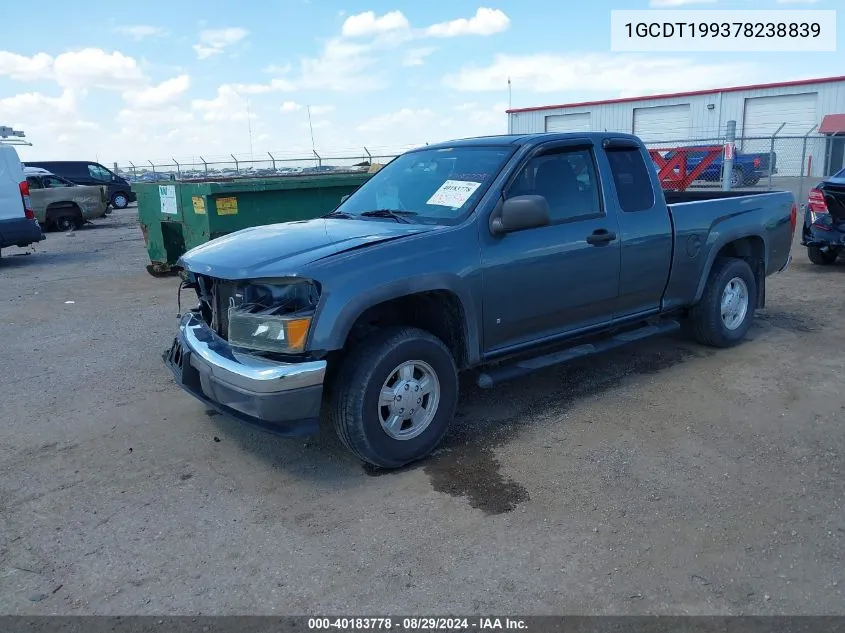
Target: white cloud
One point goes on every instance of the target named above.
(215, 41)
(277, 69)
(663, 4)
(403, 117)
(48, 121)
(343, 67)
(95, 68)
(606, 73)
(22, 68)
(159, 95)
(154, 118)
(416, 56)
(275, 85)
(321, 109)
(140, 32)
(291, 106)
(368, 24)
(484, 22)
(228, 105)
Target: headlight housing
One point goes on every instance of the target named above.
(274, 316)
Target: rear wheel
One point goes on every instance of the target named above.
(67, 222)
(724, 314)
(395, 396)
(119, 200)
(820, 257)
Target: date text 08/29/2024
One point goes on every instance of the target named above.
(416, 623)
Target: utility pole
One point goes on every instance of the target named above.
(249, 126)
(311, 129)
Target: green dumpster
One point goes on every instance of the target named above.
(176, 216)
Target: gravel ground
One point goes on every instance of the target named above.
(665, 478)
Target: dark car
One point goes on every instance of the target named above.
(84, 172)
(824, 220)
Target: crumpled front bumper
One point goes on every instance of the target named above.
(282, 398)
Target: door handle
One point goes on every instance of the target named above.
(601, 236)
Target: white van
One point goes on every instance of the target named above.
(18, 226)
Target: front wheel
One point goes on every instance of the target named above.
(820, 257)
(737, 177)
(724, 314)
(395, 397)
(119, 201)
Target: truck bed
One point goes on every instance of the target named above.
(702, 219)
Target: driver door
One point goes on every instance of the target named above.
(543, 282)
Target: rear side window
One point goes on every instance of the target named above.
(99, 173)
(630, 175)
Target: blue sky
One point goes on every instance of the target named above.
(121, 82)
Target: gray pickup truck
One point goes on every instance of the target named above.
(500, 255)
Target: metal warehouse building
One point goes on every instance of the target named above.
(789, 111)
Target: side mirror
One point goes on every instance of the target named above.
(519, 213)
(344, 198)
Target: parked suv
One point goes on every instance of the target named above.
(18, 226)
(83, 172)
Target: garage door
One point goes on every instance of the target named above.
(568, 122)
(662, 123)
(764, 115)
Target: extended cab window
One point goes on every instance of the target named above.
(566, 179)
(99, 173)
(34, 182)
(630, 175)
(52, 182)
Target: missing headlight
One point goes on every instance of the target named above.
(272, 316)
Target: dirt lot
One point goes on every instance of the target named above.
(666, 478)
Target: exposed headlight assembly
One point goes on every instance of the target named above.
(273, 316)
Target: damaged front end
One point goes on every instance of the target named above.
(264, 316)
(241, 351)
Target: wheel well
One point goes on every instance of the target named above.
(439, 312)
(60, 208)
(753, 250)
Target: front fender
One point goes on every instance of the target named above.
(339, 309)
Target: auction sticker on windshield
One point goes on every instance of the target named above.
(453, 193)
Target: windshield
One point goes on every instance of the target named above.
(436, 186)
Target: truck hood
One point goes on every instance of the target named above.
(281, 249)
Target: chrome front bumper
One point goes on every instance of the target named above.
(280, 397)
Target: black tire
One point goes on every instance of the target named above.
(119, 200)
(67, 222)
(737, 177)
(820, 257)
(708, 328)
(355, 406)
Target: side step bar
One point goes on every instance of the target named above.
(495, 375)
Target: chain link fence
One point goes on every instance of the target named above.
(764, 163)
(254, 166)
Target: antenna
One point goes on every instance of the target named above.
(249, 126)
(311, 128)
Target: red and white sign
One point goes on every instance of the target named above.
(729, 150)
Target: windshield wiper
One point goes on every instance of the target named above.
(340, 214)
(389, 213)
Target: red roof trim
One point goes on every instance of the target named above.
(833, 124)
(694, 93)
